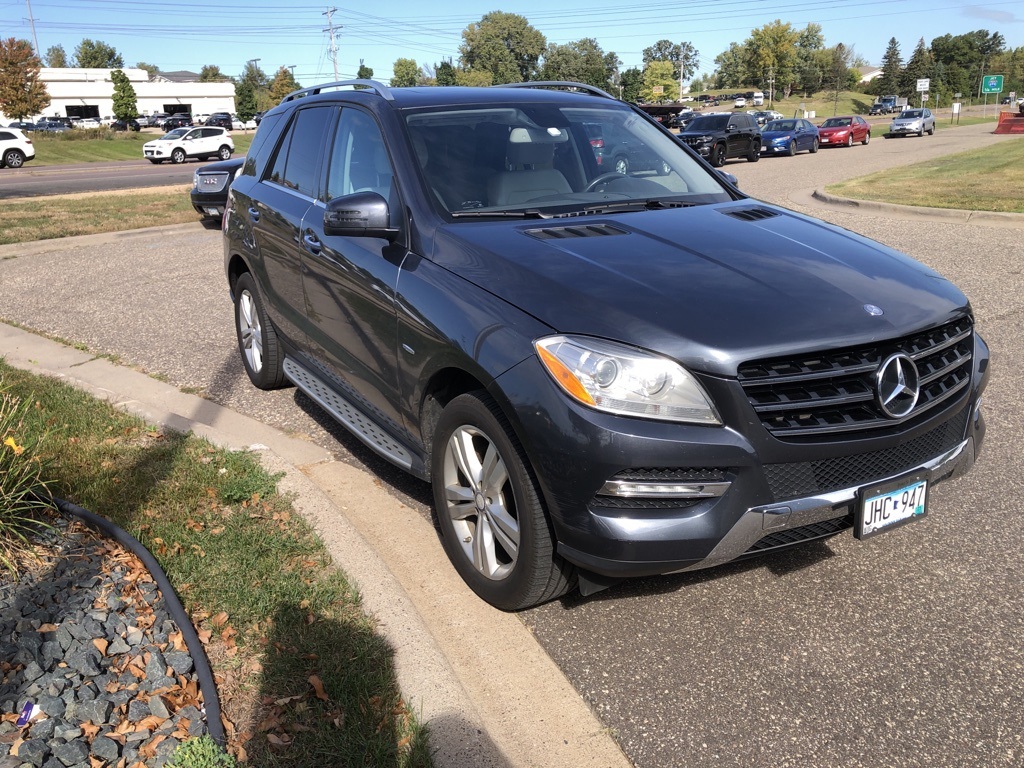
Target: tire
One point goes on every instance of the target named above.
(814, 146)
(717, 156)
(257, 339)
(13, 158)
(849, 139)
(178, 156)
(755, 153)
(791, 151)
(621, 164)
(224, 153)
(493, 525)
(867, 138)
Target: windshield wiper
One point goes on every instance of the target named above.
(532, 213)
(626, 206)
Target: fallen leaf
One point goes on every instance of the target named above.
(101, 645)
(286, 700)
(47, 628)
(278, 741)
(219, 620)
(318, 686)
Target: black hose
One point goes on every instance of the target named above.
(195, 648)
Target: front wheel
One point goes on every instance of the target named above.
(791, 150)
(755, 153)
(257, 339)
(622, 165)
(178, 156)
(717, 156)
(224, 153)
(493, 525)
(849, 140)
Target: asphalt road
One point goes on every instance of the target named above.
(907, 650)
(39, 180)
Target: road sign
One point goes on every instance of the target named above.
(923, 83)
(992, 84)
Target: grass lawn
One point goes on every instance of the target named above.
(304, 677)
(93, 146)
(985, 179)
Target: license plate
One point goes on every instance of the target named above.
(888, 505)
(824, 139)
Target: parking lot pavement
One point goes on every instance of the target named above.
(907, 650)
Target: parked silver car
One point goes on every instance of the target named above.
(919, 121)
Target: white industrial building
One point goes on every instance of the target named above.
(82, 92)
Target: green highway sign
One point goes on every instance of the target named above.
(992, 84)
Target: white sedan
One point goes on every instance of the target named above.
(238, 125)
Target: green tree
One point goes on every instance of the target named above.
(730, 70)
(631, 83)
(445, 74)
(683, 56)
(125, 101)
(581, 61)
(658, 74)
(210, 73)
(406, 73)
(22, 93)
(838, 73)
(93, 53)
(282, 84)
(505, 45)
(56, 57)
(478, 78)
(364, 72)
(771, 52)
(245, 100)
(892, 67)
(151, 69)
(919, 65)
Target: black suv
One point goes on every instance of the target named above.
(724, 136)
(180, 120)
(220, 120)
(601, 374)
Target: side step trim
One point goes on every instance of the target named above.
(347, 414)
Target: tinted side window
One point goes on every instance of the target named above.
(262, 142)
(359, 161)
(295, 165)
(5, 136)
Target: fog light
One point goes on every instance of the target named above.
(635, 489)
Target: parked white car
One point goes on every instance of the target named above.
(740, 102)
(15, 148)
(182, 143)
(238, 125)
(87, 122)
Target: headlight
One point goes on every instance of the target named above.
(195, 180)
(625, 380)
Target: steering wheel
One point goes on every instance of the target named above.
(598, 180)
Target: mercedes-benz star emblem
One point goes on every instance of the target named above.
(872, 310)
(897, 386)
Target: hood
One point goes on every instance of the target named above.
(710, 286)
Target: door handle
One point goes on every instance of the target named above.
(254, 214)
(312, 243)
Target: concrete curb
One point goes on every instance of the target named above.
(871, 207)
(491, 695)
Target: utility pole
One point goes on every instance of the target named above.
(771, 88)
(32, 22)
(333, 48)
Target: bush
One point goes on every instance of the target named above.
(23, 492)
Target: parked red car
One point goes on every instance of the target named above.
(844, 131)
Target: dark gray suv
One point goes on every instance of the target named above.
(721, 137)
(602, 374)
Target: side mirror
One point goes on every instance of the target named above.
(729, 178)
(361, 214)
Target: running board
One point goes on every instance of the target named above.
(347, 414)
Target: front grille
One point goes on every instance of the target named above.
(803, 533)
(809, 478)
(833, 392)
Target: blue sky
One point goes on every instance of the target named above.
(186, 34)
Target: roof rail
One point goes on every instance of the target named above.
(565, 85)
(373, 85)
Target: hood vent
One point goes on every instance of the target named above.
(568, 233)
(751, 214)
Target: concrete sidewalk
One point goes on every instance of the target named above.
(491, 695)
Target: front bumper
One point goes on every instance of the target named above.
(747, 493)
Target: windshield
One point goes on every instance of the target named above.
(548, 160)
(836, 122)
(910, 114)
(177, 133)
(708, 123)
(781, 125)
